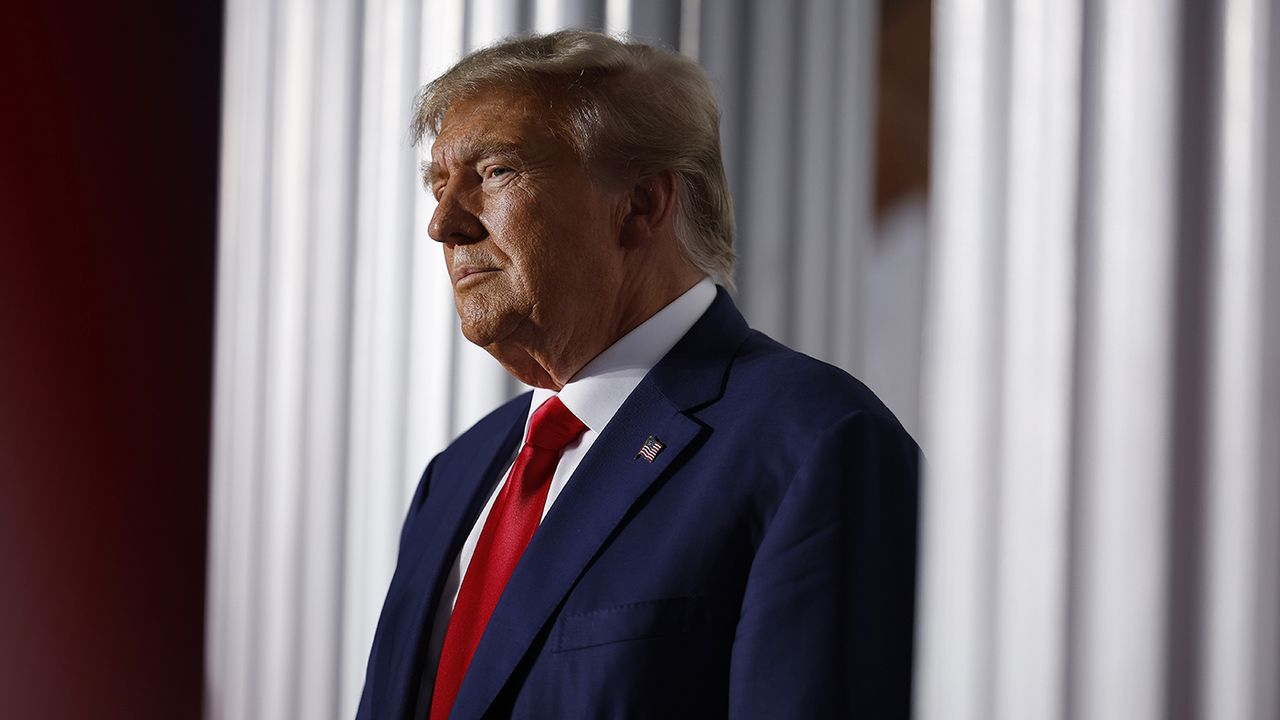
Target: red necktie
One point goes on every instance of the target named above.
(507, 531)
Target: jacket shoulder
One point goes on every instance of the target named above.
(798, 389)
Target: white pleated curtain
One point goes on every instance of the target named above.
(340, 370)
(1102, 382)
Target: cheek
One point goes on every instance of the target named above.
(525, 235)
(553, 248)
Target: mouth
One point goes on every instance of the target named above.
(470, 274)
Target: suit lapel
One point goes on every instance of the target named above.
(432, 549)
(592, 504)
(599, 495)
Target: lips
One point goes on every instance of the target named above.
(462, 272)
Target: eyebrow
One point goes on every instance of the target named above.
(470, 153)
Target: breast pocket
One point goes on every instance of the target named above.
(633, 621)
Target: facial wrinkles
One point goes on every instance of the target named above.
(500, 306)
(449, 168)
(545, 228)
(499, 205)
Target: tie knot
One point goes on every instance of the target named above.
(553, 426)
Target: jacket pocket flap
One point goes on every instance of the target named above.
(649, 618)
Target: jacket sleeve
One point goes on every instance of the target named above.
(826, 626)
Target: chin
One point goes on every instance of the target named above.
(479, 333)
(485, 325)
(485, 319)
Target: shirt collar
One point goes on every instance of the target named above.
(602, 385)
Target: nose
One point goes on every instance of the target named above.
(454, 221)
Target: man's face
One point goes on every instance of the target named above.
(531, 242)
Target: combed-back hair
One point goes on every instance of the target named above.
(622, 106)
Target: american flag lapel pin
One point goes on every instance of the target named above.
(649, 451)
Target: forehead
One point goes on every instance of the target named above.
(497, 121)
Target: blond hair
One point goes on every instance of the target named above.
(629, 106)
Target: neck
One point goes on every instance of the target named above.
(550, 360)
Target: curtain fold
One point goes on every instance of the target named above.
(1101, 391)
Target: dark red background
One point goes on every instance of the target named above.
(108, 199)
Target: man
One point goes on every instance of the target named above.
(685, 518)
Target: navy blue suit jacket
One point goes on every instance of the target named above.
(762, 566)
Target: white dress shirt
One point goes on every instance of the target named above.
(594, 396)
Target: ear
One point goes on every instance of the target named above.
(651, 208)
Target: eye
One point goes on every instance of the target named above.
(496, 172)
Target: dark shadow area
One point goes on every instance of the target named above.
(108, 199)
